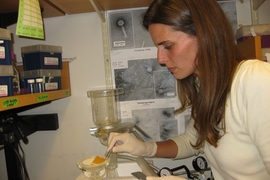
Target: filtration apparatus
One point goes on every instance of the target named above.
(107, 115)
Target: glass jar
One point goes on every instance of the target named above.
(105, 107)
(31, 86)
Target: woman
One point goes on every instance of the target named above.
(229, 96)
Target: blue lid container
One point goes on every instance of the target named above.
(41, 57)
(5, 52)
(6, 86)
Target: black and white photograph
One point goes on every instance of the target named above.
(126, 30)
(145, 79)
(158, 123)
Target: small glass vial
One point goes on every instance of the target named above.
(31, 86)
(39, 85)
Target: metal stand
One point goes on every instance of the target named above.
(103, 133)
(14, 128)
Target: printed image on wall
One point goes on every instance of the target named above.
(158, 123)
(150, 89)
(230, 10)
(126, 30)
(145, 79)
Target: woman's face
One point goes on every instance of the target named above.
(176, 50)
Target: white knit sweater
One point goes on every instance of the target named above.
(244, 151)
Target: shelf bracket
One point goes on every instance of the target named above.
(241, 1)
(99, 10)
(254, 6)
(254, 12)
(257, 4)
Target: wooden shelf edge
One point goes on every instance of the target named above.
(251, 48)
(12, 102)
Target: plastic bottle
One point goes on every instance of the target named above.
(39, 85)
(16, 77)
(31, 86)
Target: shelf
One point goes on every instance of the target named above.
(54, 8)
(251, 48)
(17, 101)
(12, 102)
(11, 105)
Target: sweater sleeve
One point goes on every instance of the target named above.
(184, 142)
(256, 94)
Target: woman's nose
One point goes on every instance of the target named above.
(162, 58)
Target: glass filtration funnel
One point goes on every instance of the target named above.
(106, 116)
(105, 107)
(105, 112)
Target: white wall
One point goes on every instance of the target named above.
(53, 154)
(244, 12)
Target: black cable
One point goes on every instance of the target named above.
(185, 168)
(12, 120)
(24, 172)
(23, 160)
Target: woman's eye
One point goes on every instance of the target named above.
(168, 47)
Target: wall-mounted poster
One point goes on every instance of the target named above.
(150, 96)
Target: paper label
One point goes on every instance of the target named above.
(51, 61)
(119, 44)
(3, 90)
(2, 52)
(51, 86)
(30, 23)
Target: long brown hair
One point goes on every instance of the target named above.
(217, 57)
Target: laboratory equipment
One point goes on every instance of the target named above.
(106, 115)
(200, 164)
(105, 107)
(91, 170)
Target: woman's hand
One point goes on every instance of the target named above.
(165, 178)
(125, 142)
